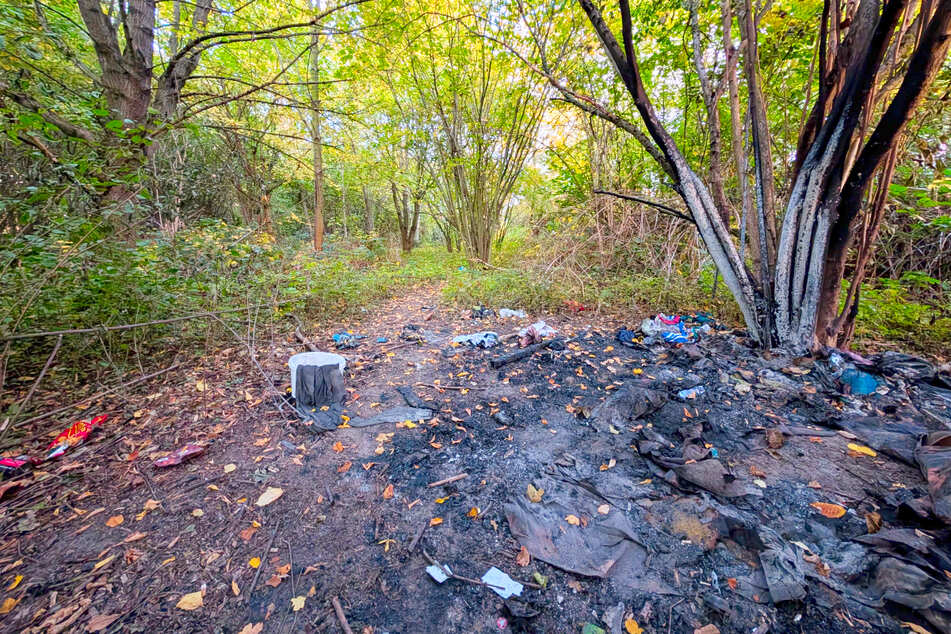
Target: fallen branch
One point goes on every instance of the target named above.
(142, 324)
(304, 340)
(454, 478)
(36, 384)
(518, 355)
(452, 387)
(97, 395)
(338, 609)
(257, 574)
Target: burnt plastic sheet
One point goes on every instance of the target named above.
(630, 402)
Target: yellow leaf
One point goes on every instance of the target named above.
(345, 467)
(436, 521)
(114, 521)
(338, 446)
(862, 449)
(235, 588)
(255, 628)
(230, 467)
(104, 562)
(632, 627)
(914, 627)
(388, 492)
(298, 602)
(271, 494)
(190, 601)
(8, 604)
(832, 511)
(573, 520)
(254, 562)
(16, 582)
(441, 500)
(200, 386)
(197, 513)
(473, 512)
(535, 495)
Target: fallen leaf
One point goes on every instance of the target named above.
(573, 520)
(731, 581)
(535, 495)
(473, 512)
(344, 467)
(604, 509)
(338, 446)
(632, 627)
(832, 511)
(814, 484)
(574, 585)
(230, 467)
(436, 521)
(775, 438)
(248, 533)
(271, 494)
(100, 622)
(523, 558)
(198, 513)
(254, 562)
(191, 601)
(860, 450)
(252, 629)
(8, 604)
(114, 521)
(235, 588)
(16, 582)
(104, 562)
(914, 627)
(388, 492)
(873, 522)
(200, 386)
(756, 472)
(274, 581)
(298, 602)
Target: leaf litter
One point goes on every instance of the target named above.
(528, 434)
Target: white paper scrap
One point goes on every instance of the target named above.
(437, 573)
(501, 583)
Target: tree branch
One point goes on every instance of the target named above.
(670, 211)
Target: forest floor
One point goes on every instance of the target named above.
(649, 511)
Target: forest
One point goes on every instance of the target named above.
(645, 304)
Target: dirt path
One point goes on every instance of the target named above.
(106, 540)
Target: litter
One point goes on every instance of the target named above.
(438, 573)
(535, 333)
(858, 382)
(505, 313)
(382, 340)
(346, 339)
(74, 435)
(502, 584)
(628, 337)
(691, 393)
(481, 312)
(412, 332)
(180, 455)
(486, 339)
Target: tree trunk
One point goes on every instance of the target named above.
(316, 141)
(369, 216)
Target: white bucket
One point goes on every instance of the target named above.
(319, 359)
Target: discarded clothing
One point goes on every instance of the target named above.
(627, 337)
(628, 403)
(412, 332)
(535, 333)
(393, 415)
(319, 385)
(505, 313)
(934, 458)
(486, 339)
(911, 368)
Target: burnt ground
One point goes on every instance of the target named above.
(673, 556)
